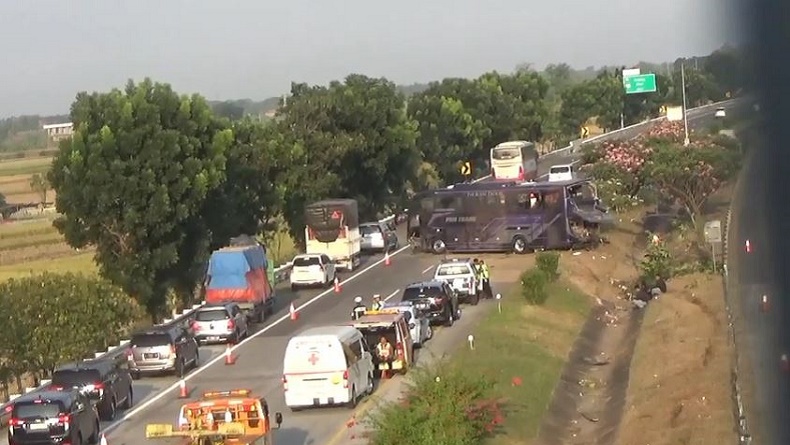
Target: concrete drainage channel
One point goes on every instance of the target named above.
(589, 400)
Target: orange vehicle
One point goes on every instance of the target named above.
(221, 418)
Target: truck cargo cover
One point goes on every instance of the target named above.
(326, 217)
(229, 267)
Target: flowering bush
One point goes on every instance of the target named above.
(670, 131)
(687, 175)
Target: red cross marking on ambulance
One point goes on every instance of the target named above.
(313, 359)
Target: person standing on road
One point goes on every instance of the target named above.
(359, 308)
(486, 275)
(377, 304)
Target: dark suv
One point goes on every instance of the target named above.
(53, 417)
(106, 382)
(163, 349)
(436, 299)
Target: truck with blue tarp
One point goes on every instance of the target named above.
(240, 274)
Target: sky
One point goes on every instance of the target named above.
(234, 49)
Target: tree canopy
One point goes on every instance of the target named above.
(156, 180)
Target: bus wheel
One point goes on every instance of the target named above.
(438, 246)
(520, 245)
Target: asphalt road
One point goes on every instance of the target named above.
(760, 329)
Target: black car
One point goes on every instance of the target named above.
(53, 417)
(107, 383)
(436, 299)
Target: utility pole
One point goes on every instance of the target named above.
(685, 107)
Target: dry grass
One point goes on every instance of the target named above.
(680, 376)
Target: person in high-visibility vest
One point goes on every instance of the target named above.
(384, 352)
(359, 308)
(377, 304)
(486, 276)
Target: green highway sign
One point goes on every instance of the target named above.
(643, 83)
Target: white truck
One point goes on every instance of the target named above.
(332, 229)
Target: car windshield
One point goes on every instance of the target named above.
(305, 261)
(70, 378)
(149, 340)
(563, 169)
(212, 315)
(453, 269)
(417, 293)
(369, 230)
(33, 410)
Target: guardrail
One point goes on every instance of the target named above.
(282, 273)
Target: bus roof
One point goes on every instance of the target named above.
(494, 185)
(511, 144)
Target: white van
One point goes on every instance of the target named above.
(329, 365)
(561, 172)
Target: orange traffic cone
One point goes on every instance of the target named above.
(182, 390)
(764, 305)
(229, 358)
(387, 258)
(337, 286)
(103, 440)
(294, 314)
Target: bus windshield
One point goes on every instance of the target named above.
(501, 154)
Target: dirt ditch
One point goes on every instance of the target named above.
(589, 400)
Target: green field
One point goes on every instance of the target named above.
(524, 349)
(25, 166)
(79, 263)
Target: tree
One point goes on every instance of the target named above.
(727, 69)
(228, 109)
(448, 133)
(40, 185)
(93, 312)
(133, 181)
(351, 139)
(690, 175)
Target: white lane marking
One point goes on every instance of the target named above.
(392, 294)
(427, 270)
(163, 392)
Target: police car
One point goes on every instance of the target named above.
(460, 274)
(419, 324)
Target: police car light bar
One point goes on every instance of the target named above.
(229, 393)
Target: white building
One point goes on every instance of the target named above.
(57, 132)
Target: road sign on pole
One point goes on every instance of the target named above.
(466, 168)
(643, 83)
(713, 236)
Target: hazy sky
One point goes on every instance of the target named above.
(255, 48)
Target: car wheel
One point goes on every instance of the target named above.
(450, 318)
(520, 246)
(294, 288)
(112, 410)
(474, 299)
(438, 246)
(180, 368)
(371, 385)
(430, 332)
(353, 402)
(127, 404)
(136, 375)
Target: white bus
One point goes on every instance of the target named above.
(514, 160)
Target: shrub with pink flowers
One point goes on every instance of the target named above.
(658, 159)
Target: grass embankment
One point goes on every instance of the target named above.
(523, 349)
